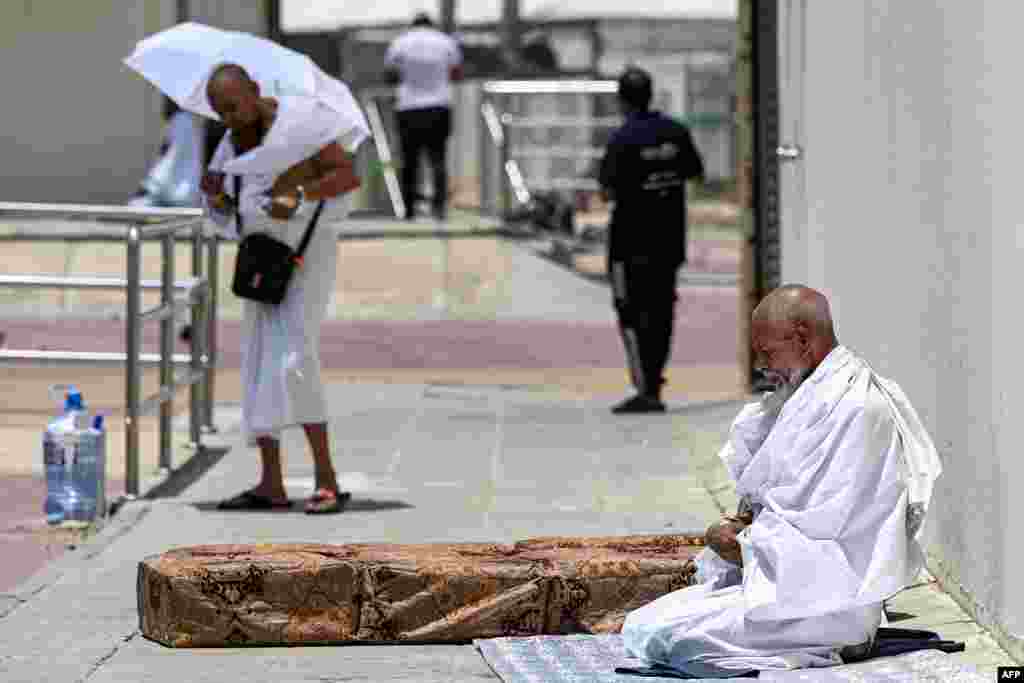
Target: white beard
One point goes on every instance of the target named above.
(797, 376)
(787, 384)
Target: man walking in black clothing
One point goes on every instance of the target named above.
(423, 62)
(644, 171)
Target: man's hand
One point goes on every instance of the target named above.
(212, 184)
(337, 174)
(721, 537)
(282, 207)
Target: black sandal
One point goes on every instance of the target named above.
(248, 500)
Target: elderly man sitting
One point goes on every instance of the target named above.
(835, 471)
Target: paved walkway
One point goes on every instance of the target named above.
(470, 430)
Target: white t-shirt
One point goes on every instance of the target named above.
(424, 58)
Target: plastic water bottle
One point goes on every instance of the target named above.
(88, 472)
(60, 443)
(53, 460)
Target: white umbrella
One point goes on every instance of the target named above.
(179, 62)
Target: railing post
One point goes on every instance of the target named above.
(213, 291)
(166, 349)
(491, 142)
(132, 325)
(200, 308)
(506, 186)
(486, 146)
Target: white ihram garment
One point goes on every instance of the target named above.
(281, 379)
(839, 475)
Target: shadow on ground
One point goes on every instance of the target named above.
(354, 505)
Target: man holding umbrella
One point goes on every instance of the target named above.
(281, 154)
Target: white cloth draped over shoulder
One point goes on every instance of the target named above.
(303, 127)
(281, 382)
(839, 474)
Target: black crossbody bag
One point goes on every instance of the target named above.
(264, 265)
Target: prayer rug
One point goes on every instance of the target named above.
(577, 658)
(583, 658)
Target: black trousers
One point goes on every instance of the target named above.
(424, 130)
(645, 300)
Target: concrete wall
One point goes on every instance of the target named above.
(249, 16)
(77, 125)
(912, 135)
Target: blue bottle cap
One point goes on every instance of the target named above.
(74, 401)
(97, 423)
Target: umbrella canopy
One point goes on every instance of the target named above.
(180, 60)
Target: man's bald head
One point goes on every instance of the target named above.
(234, 95)
(227, 73)
(791, 333)
(797, 305)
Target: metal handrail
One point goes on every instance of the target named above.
(139, 214)
(198, 293)
(551, 86)
(541, 151)
(513, 121)
(56, 282)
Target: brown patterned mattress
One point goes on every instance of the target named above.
(227, 595)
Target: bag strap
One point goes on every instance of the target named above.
(309, 229)
(238, 200)
(306, 237)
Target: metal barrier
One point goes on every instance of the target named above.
(378, 127)
(547, 135)
(198, 293)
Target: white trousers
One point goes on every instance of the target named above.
(281, 375)
(702, 631)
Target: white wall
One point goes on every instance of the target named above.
(913, 118)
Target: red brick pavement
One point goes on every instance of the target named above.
(705, 334)
(713, 256)
(26, 543)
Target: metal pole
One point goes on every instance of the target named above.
(486, 150)
(761, 265)
(510, 33)
(131, 420)
(213, 288)
(506, 190)
(197, 390)
(448, 16)
(273, 20)
(166, 350)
